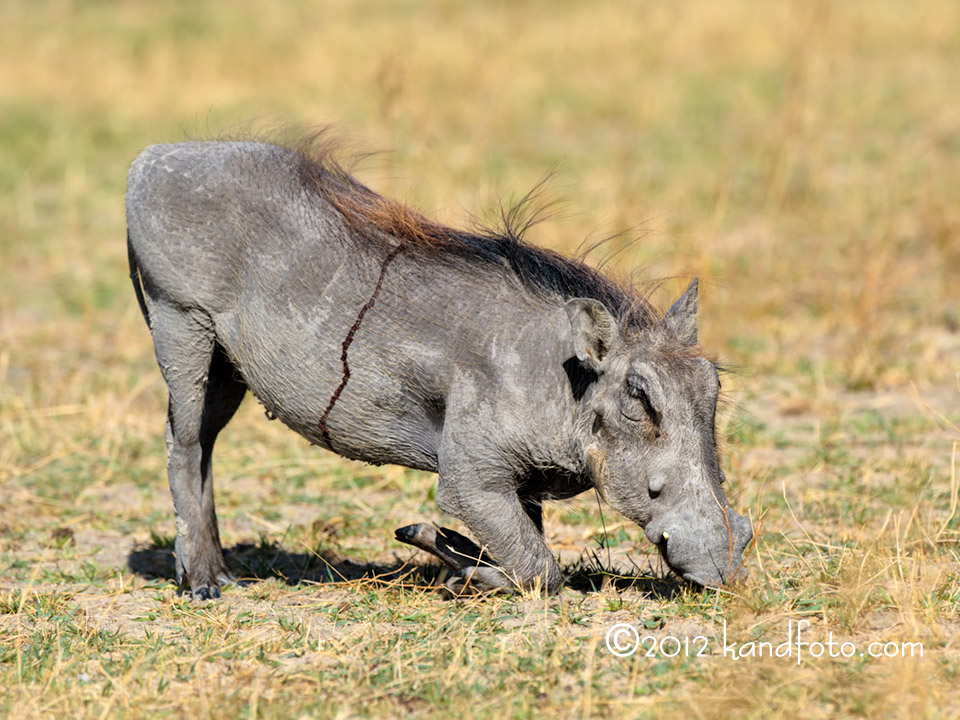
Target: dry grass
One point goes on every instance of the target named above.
(803, 158)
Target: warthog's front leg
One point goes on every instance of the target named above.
(457, 551)
(472, 572)
(485, 499)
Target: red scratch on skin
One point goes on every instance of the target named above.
(349, 339)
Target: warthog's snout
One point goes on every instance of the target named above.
(709, 557)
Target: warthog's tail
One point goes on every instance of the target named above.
(137, 277)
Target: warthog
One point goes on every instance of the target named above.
(516, 374)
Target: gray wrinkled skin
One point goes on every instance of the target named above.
(250, 281)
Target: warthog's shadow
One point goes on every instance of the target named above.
(255, 562)
(252, 563)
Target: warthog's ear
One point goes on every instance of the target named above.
(681, 318)
(595, 331)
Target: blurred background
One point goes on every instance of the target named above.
(802, 158)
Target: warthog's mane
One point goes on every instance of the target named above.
(383, 220)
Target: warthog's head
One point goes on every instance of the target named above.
(647, 429)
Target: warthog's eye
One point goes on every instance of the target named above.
(635, 389)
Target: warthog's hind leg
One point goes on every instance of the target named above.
(204, 395)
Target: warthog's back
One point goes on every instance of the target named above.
(314, 314)
(200, 213)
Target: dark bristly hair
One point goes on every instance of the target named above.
(387, 221)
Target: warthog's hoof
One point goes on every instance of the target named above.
(207, 592)
(211, 590)
(456, 550)
(479, 580)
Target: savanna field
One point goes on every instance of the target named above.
(802, 159)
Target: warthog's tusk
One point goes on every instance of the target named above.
(666, 535)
